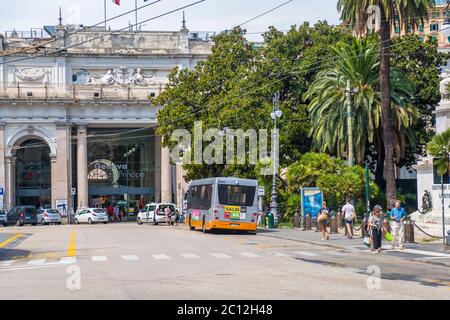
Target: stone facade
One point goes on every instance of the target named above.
(79, 80)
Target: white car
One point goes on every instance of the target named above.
(154, 213)
(47, 216)
(91, 215)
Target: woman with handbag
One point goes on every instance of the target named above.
(322, 220)
(376, 227)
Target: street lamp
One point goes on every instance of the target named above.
(275, 114)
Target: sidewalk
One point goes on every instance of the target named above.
(424, 252)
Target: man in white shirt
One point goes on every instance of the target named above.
(349, 213)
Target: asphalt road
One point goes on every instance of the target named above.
(127, 261)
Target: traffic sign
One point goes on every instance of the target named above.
(73, 191)
(261, 191)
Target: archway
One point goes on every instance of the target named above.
(33, 173)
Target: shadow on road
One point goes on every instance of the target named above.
(13, 254)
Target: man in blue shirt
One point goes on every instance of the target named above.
(398, 215)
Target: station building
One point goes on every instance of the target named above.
(76, 125)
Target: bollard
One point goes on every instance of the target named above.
(334, 224)
(340, 221)
(409, 232)
(296, 219)
(308, 222)
(317, 224)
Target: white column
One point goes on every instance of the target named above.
(10, 180)
(166, 176)
(182, 185)
(60, 162)
(82, 180)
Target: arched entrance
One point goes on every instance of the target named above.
(33, 173)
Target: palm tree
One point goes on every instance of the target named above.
(358, 63)
(439, 148)
(393, 13)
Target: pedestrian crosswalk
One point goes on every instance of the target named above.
(29, 263)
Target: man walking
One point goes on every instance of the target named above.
(398, 215)
(349, 213)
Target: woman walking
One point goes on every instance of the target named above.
(322, 220)
(376, 227)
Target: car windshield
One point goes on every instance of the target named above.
(30, 211)
(99, 211)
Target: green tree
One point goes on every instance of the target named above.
(394, 14)
(358, 62)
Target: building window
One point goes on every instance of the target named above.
(397, 29)
(409, 29)
(434, 27)
(448, 39)
(421, 28)
(437, 178)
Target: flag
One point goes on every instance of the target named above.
(116, 2)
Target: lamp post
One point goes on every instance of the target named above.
(275, 114)
(348, 101)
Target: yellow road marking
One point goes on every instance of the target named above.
(71, 248)
(14, 237)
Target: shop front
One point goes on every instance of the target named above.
(121, 166)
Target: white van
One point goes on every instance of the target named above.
(154, 213)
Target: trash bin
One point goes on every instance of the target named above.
(270, 220)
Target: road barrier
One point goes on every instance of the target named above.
(307, 224)
(334, 224)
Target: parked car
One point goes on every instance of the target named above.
(154, 213)
(91, 215)
(2, 216)
(21, 215)
(47, 216)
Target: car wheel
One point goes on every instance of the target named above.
(43, 222)
(58, 223)
(76, 221)
(5, 224)
(34, 224)
(19, 224)
(105, 222)
(90, 221)
(139, 221)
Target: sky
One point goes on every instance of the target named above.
(211, 15)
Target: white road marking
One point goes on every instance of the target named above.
(99, 258)
(435, 258)
(6, 263)
(160, 256)
(190, 256)
(36, 262)
(307, 254)
(279, 254)
(130, 257)
(219, 255)
(249, 254)
(68, 260)
(422, 252)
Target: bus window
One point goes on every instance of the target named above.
(200, 197)
(236, 195)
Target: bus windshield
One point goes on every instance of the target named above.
(236, 195)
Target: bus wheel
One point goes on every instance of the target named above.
(190, 224)
(204, 225)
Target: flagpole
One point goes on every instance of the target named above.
(135, 14)
(104, 9)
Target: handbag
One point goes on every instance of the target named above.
(367, 241)
(322, 217)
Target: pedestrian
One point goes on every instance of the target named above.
(322, 219)
(110, 212)
(167, 214)
(398, 215)
(117, 213)
(376, 227)
(177, 216)
(349, 213)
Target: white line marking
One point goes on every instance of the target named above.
(421, 252)
(219, 255)
(435, 258)
(68, 260)
(36, 262)
(6, 263)
(279, 254)
(190, 256)
(307, 254)
(99, 258)
(249, 254)
(160, 256)
(130, 257)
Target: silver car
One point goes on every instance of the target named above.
(91, 215)
(47, 216)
